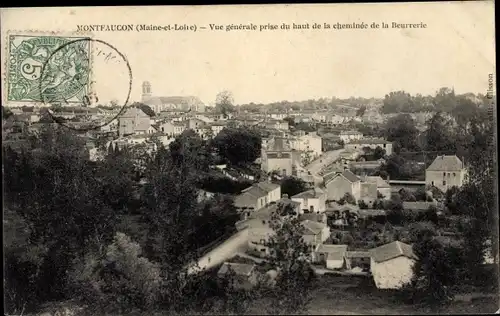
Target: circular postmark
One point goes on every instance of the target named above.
(87, 83)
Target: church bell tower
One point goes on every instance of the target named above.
(146, 90)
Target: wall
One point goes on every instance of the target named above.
(386, 192)
(225, 251)
(338, 187)
(455, 178)
(392, 274)
(334, 264)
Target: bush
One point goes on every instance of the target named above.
(362, 204)
(119, 280)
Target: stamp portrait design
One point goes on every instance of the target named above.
(44, 69)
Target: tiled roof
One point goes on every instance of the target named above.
(313, 193)
(255, 191)
(267, 186)
(312, 228)
(331, 248)
(241, 269)
(446, 163)
(392, 250)
(350, 176)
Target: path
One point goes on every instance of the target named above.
(235, 244)
(327, 158)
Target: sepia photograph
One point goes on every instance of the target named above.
(313, 159)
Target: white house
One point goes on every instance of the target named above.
(342, 183)
(331, 255)
(311, 201)
(372, 143)
(445, 172)
(315, 233)
(257, 196)
(391, 265)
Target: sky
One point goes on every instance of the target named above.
(455, 50)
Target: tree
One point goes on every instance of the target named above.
(292, 186)
(402, 130)
(378, 153)
(290, 257)
(349, 198)
(306, 158)
(145, 108)
(239, 146)
(361, 111)
(439, 133)
(290, 120)
(398, 101)
(224, 103)
(435, 271)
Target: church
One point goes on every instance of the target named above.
(158, 104)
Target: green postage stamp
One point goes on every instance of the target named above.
(48, 69)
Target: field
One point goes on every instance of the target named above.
(332, 298)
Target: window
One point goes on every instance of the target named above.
(454, 174)
(432, 182)
(444, 174)
(444, 182)
(449, 175)
(311, 208)
(384, 145)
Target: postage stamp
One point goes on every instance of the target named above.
(42, 69)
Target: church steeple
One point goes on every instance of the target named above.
(146, 90)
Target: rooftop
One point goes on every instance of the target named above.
(312, 193)
(370, 141)
(312, 227)
(446, 163)
(241, 269)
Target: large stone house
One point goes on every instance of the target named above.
(257, 196)
(445, 172)
(279, 157)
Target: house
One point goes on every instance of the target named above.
(342, 183)
(257, 196)
(244, 275)
(276, 124)
(172, 128)
(391, 265)
(279, 157)
(445, 172)
(133, 121)
(311, 143)
(372, 143)
(348, 136)
(315, 233)
(311, 201)
(331, 255)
